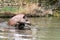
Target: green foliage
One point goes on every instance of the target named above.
(30, 1)
(52, 2)
(49, 2)
(58, 8)
(8, 9)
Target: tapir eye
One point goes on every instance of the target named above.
(26, 20)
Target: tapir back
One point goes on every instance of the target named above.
(15, 19)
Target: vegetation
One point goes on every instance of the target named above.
(15, 6)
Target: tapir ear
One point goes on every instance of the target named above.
(24, 17)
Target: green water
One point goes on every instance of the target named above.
(48, 28)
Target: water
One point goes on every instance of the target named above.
(43, 28)
(48, 28)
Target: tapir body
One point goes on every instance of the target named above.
(15, 19)
(20, 18)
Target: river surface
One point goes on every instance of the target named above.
(43, 28)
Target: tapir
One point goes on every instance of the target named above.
(20, 20)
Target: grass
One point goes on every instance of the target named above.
(21, 9)
(12, 9)
(8, 9)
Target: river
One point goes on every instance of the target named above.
(43, 28)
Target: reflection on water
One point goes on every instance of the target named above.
(42, 29)
(11, 33)
(48, 28)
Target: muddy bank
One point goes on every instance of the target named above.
(38, 15)
(2, 20)
(9, 15)
(6, 15)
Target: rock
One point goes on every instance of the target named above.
(1, 20)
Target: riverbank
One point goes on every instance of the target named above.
(28, 15)
(9, 15)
